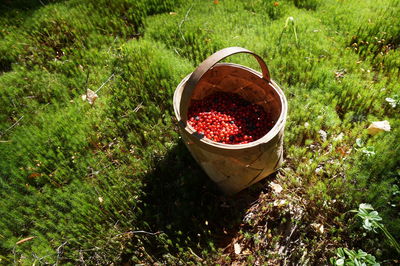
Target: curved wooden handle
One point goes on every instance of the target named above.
(205, 66)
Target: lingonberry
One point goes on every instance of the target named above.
(228, 118)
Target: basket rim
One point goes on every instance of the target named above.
(279, 124)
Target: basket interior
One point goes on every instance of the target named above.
(243, 81)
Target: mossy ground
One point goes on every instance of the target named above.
(113, 182)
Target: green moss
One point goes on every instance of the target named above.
(83, 178)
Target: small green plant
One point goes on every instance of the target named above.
(372, 222)
(348, 257)
(367, 150)
(290, 25)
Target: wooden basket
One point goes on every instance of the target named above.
(233, 167)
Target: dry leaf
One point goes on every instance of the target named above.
(25, 240)
(90, 96)
(34, 175)
(246, 252)
(237, 248)
(279, 203)
(276, 187)
(216, 2)
(318, 227)
(378, 126)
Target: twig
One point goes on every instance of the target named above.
(102, 85)
(1, 134)
(139, 232)
(87, 78)
(13, 251)
(138, 107)
(93, 173)
(81, 259)
(109, 48)
(197, 256)
(182, 21)
(89, 249)
(291, 233)
(290, 236)
(59, 251)
(40, 259)
(176, 51)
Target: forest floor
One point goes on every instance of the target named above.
(111, 181)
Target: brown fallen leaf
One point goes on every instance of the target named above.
(25, 240)
(246, 252)
(342, 151)
(90, 96)
(318, 227)
(378, 126)
(34, 175)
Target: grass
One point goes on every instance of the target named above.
(113, 182)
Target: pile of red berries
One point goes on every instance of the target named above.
(228, 118)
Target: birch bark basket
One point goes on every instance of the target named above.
(233, 167)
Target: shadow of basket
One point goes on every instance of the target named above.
(182, 202)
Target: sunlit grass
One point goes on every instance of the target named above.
(112, 181)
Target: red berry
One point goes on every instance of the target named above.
(228, 118)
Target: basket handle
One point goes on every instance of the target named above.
(205, 66)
